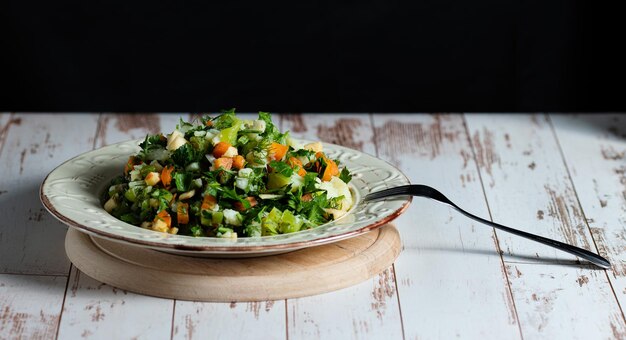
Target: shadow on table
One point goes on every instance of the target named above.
(31, 240)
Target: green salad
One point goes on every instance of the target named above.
(228, 177)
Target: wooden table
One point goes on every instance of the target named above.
(561, 176)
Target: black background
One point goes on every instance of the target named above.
(312, 56)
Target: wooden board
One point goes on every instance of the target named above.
(300, 273)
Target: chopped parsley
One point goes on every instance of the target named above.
(227, 177)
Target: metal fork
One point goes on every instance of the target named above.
(428, 192)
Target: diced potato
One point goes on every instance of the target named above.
(110, 205)
(316, 146)
(187, 195)
(175, 140)
(153, 178)
(231, 152)
(160, 225)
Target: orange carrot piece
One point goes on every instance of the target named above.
(166, 175)
(132, 161)
(220, 149)
(209, 123)
(307, 197)
(182, 213)
(240, 207)
(223, 162)
(165, 217)
(331, 170)
(293, 162)
(239, 162)
(208, 202)
(278, 151)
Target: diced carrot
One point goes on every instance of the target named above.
(240, 207)
(208, 202)
(164, 216)
(307, 197)
(220, 149)
(132, 161)
(293, 162)
(209, 123)
(278, 151)
(223, 162)
(182, 213)
(166, 175)
(239, 162)
(331, 170)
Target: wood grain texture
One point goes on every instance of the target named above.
(94, 310)
(118, 127)
(527, 186)
(113, 128)
(450, 277)
(31, 240)
(242, 320)
(370, 309)
(594, 147)
(235, 320)
(6, 120)
(30, 306)
(448, 282)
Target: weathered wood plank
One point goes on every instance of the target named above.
(202, 320)
(367, 310)
(251, 320)
(87, 298)
(31, 240)
(94, 310)
(594, 147)
(30, 306)
(120, 127)
(6, 120)
(527, 186)
(450, 277)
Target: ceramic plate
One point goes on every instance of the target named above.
(72, 192)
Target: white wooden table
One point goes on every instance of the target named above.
(561, 176)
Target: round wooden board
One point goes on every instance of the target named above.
(299, 273)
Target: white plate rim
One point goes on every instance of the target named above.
(71, 193)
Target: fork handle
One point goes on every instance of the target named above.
(428, 192)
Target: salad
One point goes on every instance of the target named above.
(228, 177)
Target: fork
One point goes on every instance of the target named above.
(428, 192)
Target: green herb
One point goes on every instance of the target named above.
(185, 154)
(284, 202)
(345, 175)
(281, 168)
(182, 181)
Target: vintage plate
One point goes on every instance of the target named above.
(72, 191)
